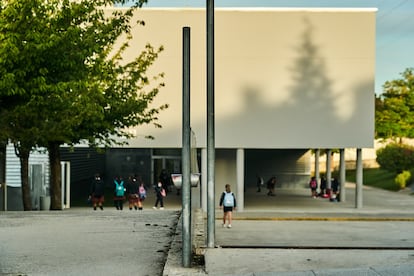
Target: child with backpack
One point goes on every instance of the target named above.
(228, 203)
(313, 185)
(142, 195)
(119, 193)
(134, 198)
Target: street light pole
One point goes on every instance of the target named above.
(186, 144)
(210, 126)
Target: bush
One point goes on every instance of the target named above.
(402, 179)
(396, 157)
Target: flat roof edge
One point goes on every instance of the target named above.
(267, 9)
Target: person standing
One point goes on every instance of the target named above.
(313, 185)
(271, 183)
(322, 192)
(160, 194)
(97, 192)
(335, 189)
(228, 204)
(259, 183)
(119, 193)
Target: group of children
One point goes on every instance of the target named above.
(324, 192)
(134, 191)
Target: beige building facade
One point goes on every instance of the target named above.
(286, 81)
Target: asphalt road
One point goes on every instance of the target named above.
(80, 241)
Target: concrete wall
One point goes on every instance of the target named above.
(285, 78)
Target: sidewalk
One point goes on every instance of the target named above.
(294, 234)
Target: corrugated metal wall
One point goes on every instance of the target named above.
(38, 160)
(84, 163)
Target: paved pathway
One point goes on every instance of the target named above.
(290, 234)
(85, 242)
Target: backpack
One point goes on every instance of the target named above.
(119, 189)
(313, 183)
(228, 200)
(142, 193)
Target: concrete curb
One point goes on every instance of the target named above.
(324, 218)
(173, 265)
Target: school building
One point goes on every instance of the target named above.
(287, 81)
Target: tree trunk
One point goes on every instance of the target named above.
(24, 175)
(55, 176)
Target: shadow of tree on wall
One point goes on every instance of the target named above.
(310, 98)
(311, 114)
(302, 106)
(311, 93)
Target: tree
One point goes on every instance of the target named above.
(19, 81)
(81, 88)
(396, 157)
(394, 115)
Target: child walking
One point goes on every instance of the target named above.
(133, 193)
(228, 203)
(142, 195)
(160, 194)
(119, 193)
(97, 192)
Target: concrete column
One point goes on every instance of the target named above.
(204, 179)
(317, 172)
(328, 169)
(240, 180)
(359, 184)
(342, 178)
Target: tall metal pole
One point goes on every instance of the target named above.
(186, 153)
(210, 126)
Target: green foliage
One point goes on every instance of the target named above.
(63, 78)
(378, 178)
(394, 108)
(402, 179)
(396, 157)
(61, 66)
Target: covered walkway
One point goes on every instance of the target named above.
(298, 203)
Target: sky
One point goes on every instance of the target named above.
(394, 27)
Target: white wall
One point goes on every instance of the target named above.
(13, 177)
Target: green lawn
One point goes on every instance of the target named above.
(376, 178)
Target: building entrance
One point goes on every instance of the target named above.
(165, 162)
